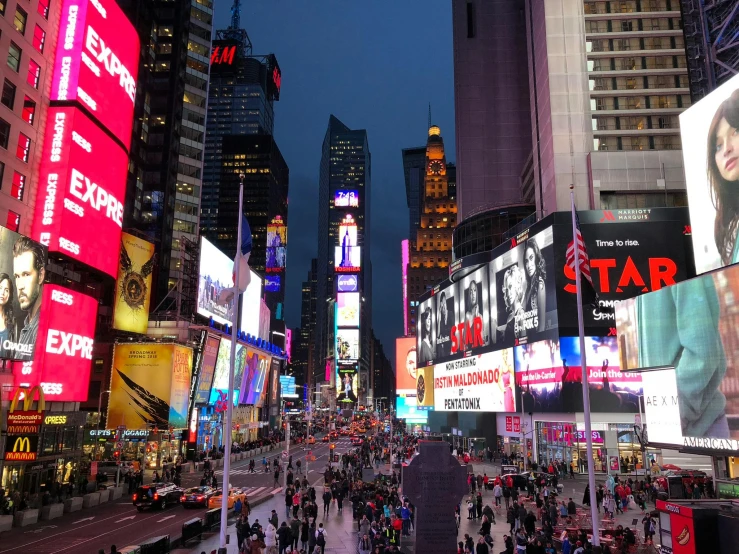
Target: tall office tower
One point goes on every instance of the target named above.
(431, 246)
(608, 81)
(308, 325)
(383, 378)
(490, 97)
(711, 31)
(414, 169)
(28, 43)
(163, 194)
(344, 266)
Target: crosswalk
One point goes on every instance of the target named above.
(251, 492)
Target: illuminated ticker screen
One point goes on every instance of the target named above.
(346, 199)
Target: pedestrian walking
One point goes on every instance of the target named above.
(321, 537)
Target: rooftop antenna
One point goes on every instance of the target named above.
(429, 113)
(235, 32)
(235, 15)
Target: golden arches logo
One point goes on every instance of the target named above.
(20, 442)
(28, 395)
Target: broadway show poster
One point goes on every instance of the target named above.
(207, 369)
(150, 386)
(631, 252)
(133, 286)
(522, 295)
(474, 312)
(549, 376)
(426, 334)
(444, 307)
(348, 385)
(254, 383)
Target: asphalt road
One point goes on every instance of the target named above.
(119, 523)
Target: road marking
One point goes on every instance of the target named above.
(125, 518)
(275, 491)
(165, 518)
(84, 519)
(42, 529)
(256, 492)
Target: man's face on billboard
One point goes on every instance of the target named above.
(28, 279)
(442, 308)
(410, 363)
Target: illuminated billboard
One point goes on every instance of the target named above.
(82, 186)
(347, 309)
(347, 385)
(348, 232)
(691, 327)
(216, 274)
(482, 383)
(662, 408)
(346, 199)
(347, 345)
(272, 283)
(22, 274)
(710, 141)
(63, 352)
(222, 368)
(405, 365)
(97, 62)
(150, 385)
(347, 259)
(406, 408)
(404, 261)
(287, 386)
(207, 369)
(347, 283)
(254, 384)
(133, 286)
(276, 245)
(250, 306)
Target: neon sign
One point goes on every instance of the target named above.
(223, 55)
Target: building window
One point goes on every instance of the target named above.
(4, 133)
(39, 38)
(14, 57)
(13, 221)
(2, 7)
(8, 97)
(21, 19)
(18, 186)
(624, 201)
(23, 150)
(2, 173)
(43, 8)
(34, 74)
(29, 110)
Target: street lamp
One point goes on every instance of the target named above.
(100, 407)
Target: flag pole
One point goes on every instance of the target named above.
(229, 396)
(585, 386)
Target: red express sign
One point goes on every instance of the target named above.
(63, 354)
(82, 185)
(97, 59)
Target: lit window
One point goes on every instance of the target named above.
(34, 74)
(29, 110)
(21, 18)
(43, 8)
(14, 57)
(13, 221)
(18, 186)
(22, 152)
(39, 38)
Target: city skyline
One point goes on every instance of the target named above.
(396, 118)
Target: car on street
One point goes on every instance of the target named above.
(325, 438)
(357, 441)
(233, 494)
(521, 480)
(156, 495)
(311, 440)
(197, 497)
(333, 435)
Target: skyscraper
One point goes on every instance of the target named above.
(344, 249)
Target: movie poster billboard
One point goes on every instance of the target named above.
(276, 245)
(523, 306)
(216, 274)
(150, 386)
(691, 327)
(405, 365)
(478, 383)
(22, 275)
(549, 376)
(474, 312)
(207, 369)
(708, 130)
(254, 384)
(631, 252)
(133, 286)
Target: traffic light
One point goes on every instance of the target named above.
(332, 446)
(238, 427)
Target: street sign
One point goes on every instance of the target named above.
(119, 445)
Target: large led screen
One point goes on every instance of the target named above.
(347, 283)
(482, 383)
(661, 407)
(133, 286)
(348, 232)
(347, 259)
(287, 386)
(96, 63)
(222, 369)
(406, 408)
(250, 306)
(346, 199)
(347, 385)
(347, 309)
(150, 385)
(711, 156)
(82, 185)
(207, 369)
(549, 376)
(63, 352)
(405, 365)
(22, 275)
(216, 274)
(276, 245)
(691, 327)
(254, 385)
(347, 345)
(272, 283)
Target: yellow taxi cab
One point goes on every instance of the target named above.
(361, 430)
(233, 494)
(311, 439)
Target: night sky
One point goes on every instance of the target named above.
(375, 65)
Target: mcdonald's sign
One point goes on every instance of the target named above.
(21, 448)
(27, 421)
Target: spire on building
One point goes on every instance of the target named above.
(235, 15)
(429, 125)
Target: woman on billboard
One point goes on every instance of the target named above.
(536, 274)
(7, 321)
(426, 351)
(723, 176)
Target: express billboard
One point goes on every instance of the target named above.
(691, 327)
(405, 365)
(63, 352)
(276, 245)
(97, 62)
(150, 385)
(549, 376)
(82, 185)
(207, 369)
(133, 286)
(22, 274)
(215, 275)
(710, 141)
